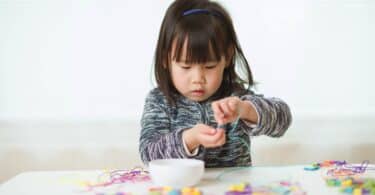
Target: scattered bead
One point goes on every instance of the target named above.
(354, 186)
(283, 187)
(167, 190)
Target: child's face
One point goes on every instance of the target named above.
(197, 82)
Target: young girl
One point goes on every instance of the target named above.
(202, 107)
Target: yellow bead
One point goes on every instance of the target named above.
(186, 190)
(241, 187)
(357, 191)
(194, 189)
(238, 188)
(293, 188)
(196, 192)
(167, 188)
(346, 183)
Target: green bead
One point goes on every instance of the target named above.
(331, 182)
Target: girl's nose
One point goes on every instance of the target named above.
(198, 75)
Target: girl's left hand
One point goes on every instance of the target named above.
(226, 110)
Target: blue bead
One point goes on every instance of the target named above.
(311, 168)
(174, 192)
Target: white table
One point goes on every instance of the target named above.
(65, 182)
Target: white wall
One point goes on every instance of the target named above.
(314, 54)
(92, 59)
(76, 59)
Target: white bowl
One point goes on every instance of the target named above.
(176, 173)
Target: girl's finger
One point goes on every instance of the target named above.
(207, 141)
(221, 135)
(221, 139)
(218, 112)
(233, 105)
(213, 139)
(208, 131)
(225, 107)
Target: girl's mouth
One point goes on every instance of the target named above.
(198, 92)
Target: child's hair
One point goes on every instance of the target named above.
(209, 34)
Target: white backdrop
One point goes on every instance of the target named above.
(90, 60)
(74, 75)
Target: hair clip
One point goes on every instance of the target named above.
(198, 11)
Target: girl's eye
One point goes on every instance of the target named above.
(211, 67)
(185, 67)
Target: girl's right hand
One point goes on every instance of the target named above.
(205, 135)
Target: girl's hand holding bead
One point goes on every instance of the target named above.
(227, 110)
(204, 135)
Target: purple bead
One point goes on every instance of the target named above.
(365, 191)
(248, 189)
(337, 162)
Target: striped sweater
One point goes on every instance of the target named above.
(163, 124)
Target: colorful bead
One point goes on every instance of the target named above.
(348, 190)
(333, 182)
(239, 189)
(357, 191)
(167, 190)
(312, 167)
(283, 187)
(174, 192)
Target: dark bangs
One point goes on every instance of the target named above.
(205, 39)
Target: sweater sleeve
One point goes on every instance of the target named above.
(274, 116)
(157, 141)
